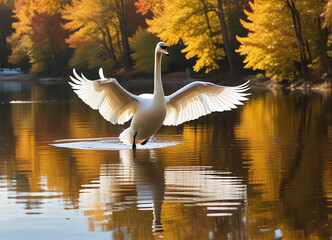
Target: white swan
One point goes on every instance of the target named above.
(151, 111)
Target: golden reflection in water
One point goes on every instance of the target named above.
(282, 139)
(40, 167)
(327, 177)
(196, 140)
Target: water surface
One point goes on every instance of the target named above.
(262, 171)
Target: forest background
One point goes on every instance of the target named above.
(283, 40)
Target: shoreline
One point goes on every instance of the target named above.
(323, 87)
(181, 78)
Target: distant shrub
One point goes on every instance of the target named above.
(260, 76)
(143, 44)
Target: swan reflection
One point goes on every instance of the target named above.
(140, 183)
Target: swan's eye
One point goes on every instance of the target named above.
(163, 47)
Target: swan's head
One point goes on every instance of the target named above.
(162, 48)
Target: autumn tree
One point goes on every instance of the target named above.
(143, 44)
(100, 31)
(201, 25)
(193, 23)
(285, 38)
(95, 34)
(50, 49)
(6, 20)
(38, 35)
(270, 43)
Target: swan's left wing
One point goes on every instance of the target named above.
(201, 98)
(114, 103)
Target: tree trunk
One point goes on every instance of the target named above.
(110, 43)
(126, 51)
(124, 34)
(109, 48)
(298, 33)
(322, 47)
(207, 19)
(225, 36)
(118, 39)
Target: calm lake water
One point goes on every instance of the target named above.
(262, 171)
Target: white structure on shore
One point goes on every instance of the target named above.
(10, 71)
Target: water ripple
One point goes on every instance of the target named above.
(113, 143)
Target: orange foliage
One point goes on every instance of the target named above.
(47, 31)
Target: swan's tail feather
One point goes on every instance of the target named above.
(126, 137)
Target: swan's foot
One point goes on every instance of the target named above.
(145, 141)
(134, 144)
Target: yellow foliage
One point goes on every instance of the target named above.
(272, 45)
(95, 30)
(327, 15)
(194, 24)
(20, 41)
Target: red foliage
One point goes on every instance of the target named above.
(134, 19)
(143, 6)
(47, 31)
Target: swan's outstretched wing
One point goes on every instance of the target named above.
(114, 103)
(201, 98)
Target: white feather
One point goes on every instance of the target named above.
(114, 103)
(201, 98)
(101, 73)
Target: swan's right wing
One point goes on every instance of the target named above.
(114, 103)
(201, 98)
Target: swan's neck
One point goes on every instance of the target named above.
(158, 85)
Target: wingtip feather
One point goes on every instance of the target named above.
(101, 73)
(84, 78)
(72, 85)
(77, 76)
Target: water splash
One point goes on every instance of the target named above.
(113, 143)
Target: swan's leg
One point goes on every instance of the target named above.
(134, 144)
(145, 141)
